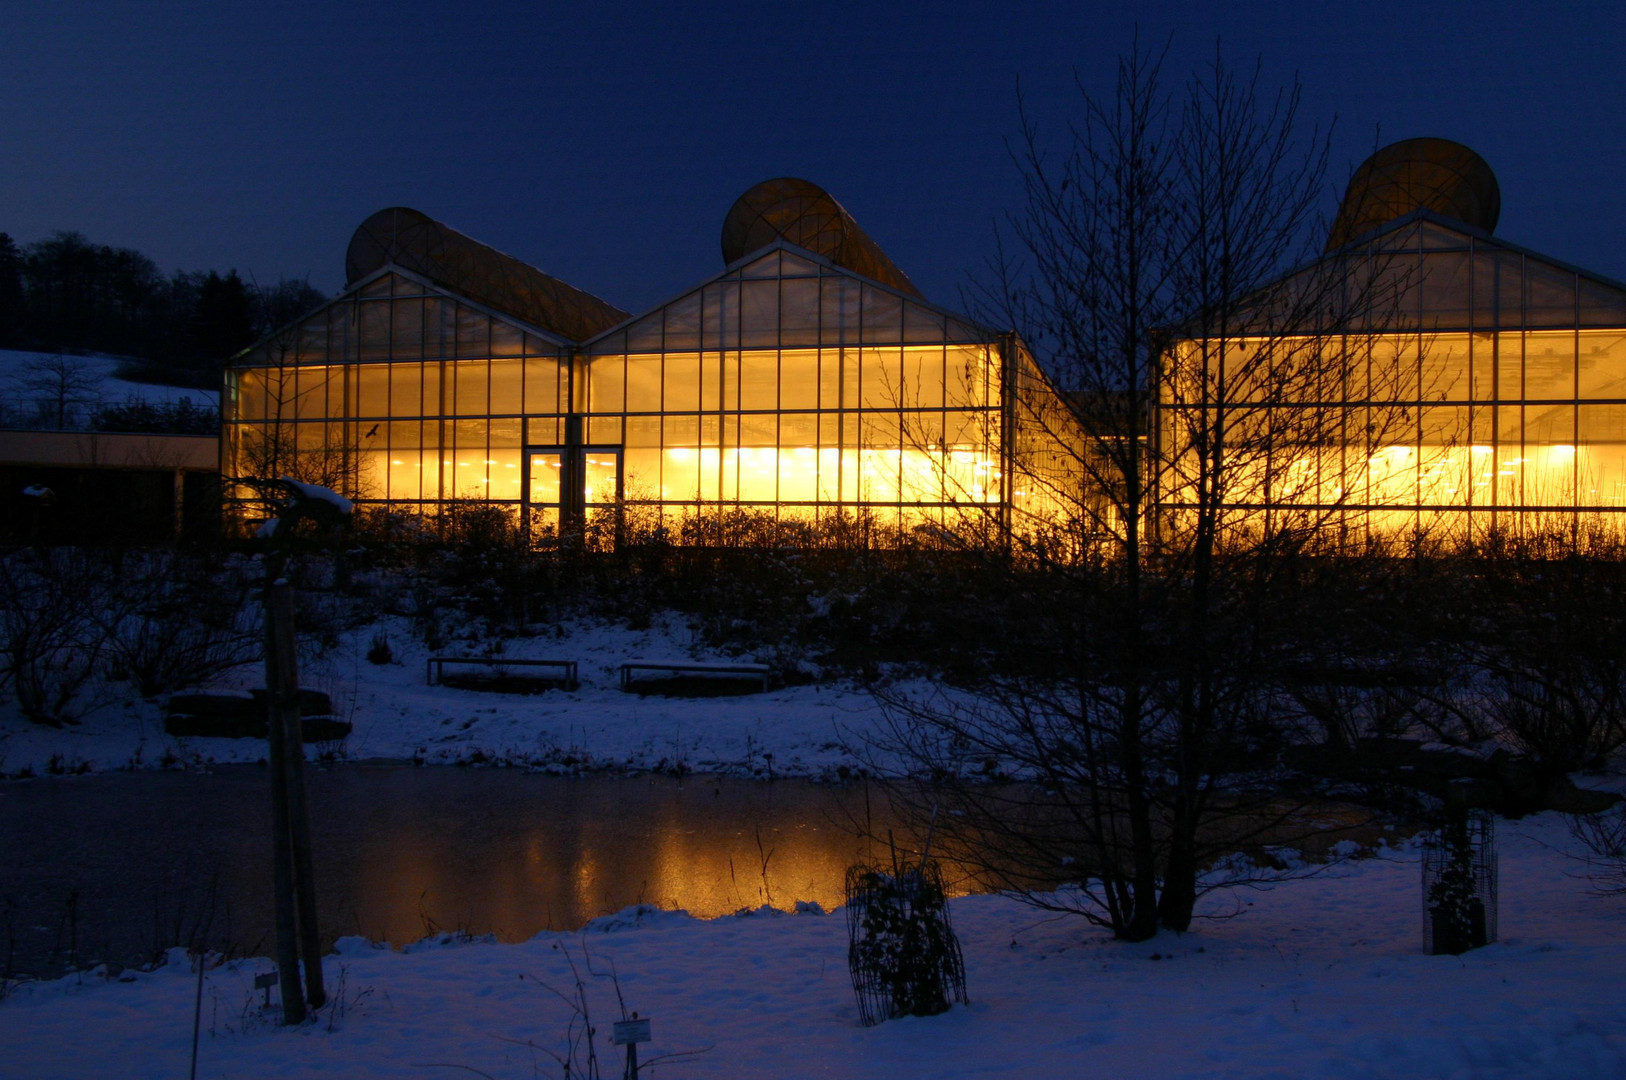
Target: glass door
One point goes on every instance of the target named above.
(544, 489)
(601, 483)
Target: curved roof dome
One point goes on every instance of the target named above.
(414, 241)
(1437, 175)
(806, 215)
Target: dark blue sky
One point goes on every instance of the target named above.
(605, 142)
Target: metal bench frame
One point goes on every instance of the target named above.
(682, 668)
(434, 672)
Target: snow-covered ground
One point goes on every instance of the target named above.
(1316, 978)
(791, 731)
(98, 386)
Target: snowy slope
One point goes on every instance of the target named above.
(1319, 978)
(105, 387)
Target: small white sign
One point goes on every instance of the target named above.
(631, 1031)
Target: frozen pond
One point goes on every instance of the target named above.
(117, 866)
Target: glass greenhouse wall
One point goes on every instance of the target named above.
(787, 386)
(1494, 396)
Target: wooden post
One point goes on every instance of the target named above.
(279, 675)
(287, 714)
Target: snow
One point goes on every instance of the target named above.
(792, 731)
(107, 387)
(1317, 978)
(318, 493)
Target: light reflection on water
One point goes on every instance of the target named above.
(115, 867)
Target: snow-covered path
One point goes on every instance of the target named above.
(1318, 978)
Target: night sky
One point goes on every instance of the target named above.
(605, 142)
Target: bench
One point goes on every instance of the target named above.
(681, 669)
(436, 670)
(244, 716)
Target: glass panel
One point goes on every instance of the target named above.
(798, 457)
(250, 398)
(1601, 305)
(799, 379)
(720, 317)
(765, 267)
(606, 384)
(439, 327)
(1549, 364)
(923, 378)
(469, 377)
(312, 387)
(1601, 465)
(374, 392)
(469, 480)
(374, 321)
(1549, 295)
(1446, 367)
(405, 389)
(1483, 347)
(312, 342)
(757, 458)
(920, 325)
(880, 387)
(503, 464)
(546, 471)
(544, 432)
(759, 380)
(506, 340)
(604, 429)
(405, 476)
(380, 287)
(1510, 367)
(542, 386)
(711, 373)
(759, 313)
(830, 379)
(1509, 289)
(839, 303)
(799, 315)
(1443, 293)
(407, 329)
(645, 335)
(882, 315)
(680, 382)
(680, 471)
(504, 386)
(601, 473)
(473, 332)
(433, 374)
(682, 323)
(1603, 363)
(644, 383)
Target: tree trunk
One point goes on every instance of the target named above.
(278, 670)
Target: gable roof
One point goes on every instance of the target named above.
(786, 296)
(414, 241)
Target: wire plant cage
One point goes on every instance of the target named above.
(901, 948)
(1459, 884)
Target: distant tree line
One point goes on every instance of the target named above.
(66, 294)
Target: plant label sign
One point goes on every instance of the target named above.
(631, 1031)
(265, 982)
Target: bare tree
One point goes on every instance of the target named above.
(58, 388)
(1166, 270)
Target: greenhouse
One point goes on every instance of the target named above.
(809, 380)
(1440, 380)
